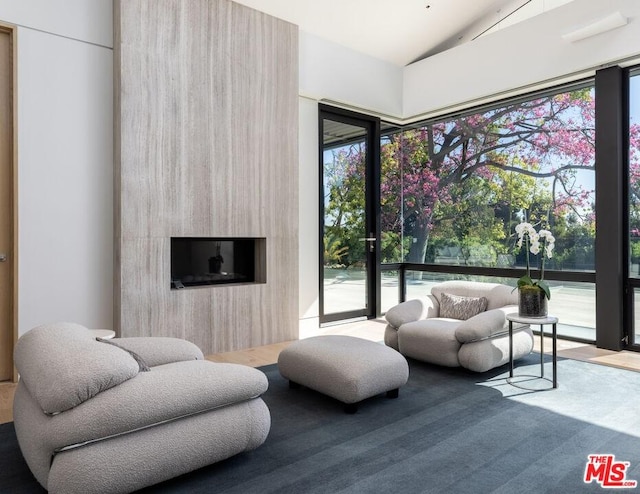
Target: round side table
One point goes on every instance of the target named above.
(514, 317)
(106, 334)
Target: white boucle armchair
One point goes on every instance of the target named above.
(417, 328)
(113, 416)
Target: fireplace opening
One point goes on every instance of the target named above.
(203, 261)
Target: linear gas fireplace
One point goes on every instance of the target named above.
(204, 261)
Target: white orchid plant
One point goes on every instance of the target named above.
(536, 242)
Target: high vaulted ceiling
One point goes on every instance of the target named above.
(397, 31)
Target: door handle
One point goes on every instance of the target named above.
(3, 257)
(372, 243)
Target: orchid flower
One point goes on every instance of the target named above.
(536, 242)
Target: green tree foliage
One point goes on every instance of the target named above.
(334, 251)
(344, 200)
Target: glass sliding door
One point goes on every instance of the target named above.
(348, 229)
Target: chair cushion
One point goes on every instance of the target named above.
(168, 392)
(463, 308)
(480, 356)
(64, 365)
(412, 310)
(160, 350)
(430, 340)
(487, 324)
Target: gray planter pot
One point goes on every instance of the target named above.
(532, 302)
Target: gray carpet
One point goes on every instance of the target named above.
(450, 431)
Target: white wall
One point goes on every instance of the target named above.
(520, 55)
(65, 160)
(309, 176)
(331, 71)
(85, 20)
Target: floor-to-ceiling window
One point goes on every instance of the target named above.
(634, 202)
(453, 189)
(392, 241)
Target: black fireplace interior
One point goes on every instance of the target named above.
(198, 261)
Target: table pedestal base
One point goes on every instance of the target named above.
(530, 382)
(554, 338)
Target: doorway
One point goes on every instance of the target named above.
(349, 225)
(8, 264)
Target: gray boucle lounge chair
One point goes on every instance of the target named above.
(461, 323)
(90, 418)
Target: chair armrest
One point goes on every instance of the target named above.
(485, 325)
(412, 310)
(160, 350)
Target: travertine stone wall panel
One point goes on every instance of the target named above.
(206, 131)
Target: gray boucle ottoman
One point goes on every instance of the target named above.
(346, 368)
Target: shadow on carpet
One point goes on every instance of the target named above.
(450, 431)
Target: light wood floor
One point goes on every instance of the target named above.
(373, 330)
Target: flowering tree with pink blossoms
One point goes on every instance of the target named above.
(474, 177)
(550, 138)
(634, 191)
